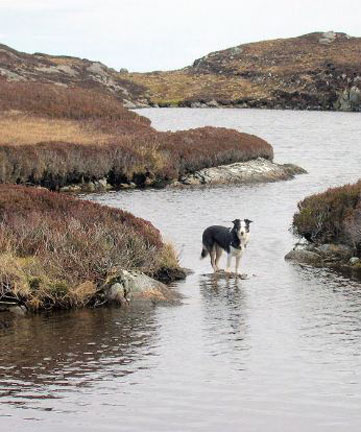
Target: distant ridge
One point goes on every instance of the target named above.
(318, 70)
(68, 71)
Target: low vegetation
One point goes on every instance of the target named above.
(333, 216)
(57, 251)
(54, 136)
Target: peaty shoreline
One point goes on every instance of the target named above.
(258, 170)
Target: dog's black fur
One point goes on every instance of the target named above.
(221, 236)
(231, 240)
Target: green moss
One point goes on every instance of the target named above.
(59, 288)
(34, 283)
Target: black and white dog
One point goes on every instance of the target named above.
(217, 239)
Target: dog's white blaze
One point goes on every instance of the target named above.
(243, 235)
(236, 251)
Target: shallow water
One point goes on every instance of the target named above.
(278, 351)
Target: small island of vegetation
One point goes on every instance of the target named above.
(330, 221)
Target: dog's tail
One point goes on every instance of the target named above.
(204, 252)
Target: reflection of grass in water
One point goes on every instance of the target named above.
(102, 344)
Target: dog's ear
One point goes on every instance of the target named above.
(248, 221)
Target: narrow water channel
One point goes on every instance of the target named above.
(279, 351)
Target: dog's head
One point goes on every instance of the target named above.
(242, 227)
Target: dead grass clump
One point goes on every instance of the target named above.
(21, 129)
(333, 216)
(57, 251)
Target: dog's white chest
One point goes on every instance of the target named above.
(236, 251)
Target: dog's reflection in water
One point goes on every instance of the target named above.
(225, 317)
(221, 283)
(228, 277)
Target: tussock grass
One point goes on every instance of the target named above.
(57, 251)
(333, 216)
(21, 129)
(171, 88)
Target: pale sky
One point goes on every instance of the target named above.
(146, 35)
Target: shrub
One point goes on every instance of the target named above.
(57, 251)
(333, 216)
(205, 147)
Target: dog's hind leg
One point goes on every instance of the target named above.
(213, 257)
(218, 256)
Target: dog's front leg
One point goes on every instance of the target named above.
(228, 268)
(238, 260)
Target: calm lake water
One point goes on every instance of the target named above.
(280, 351)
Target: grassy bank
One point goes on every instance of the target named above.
(58, 251)
(53, 136)
(333, 216)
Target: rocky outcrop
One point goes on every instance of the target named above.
(133, 287)
(123, 288)
(335, 256)
(349, 100)
(254, 171)
(101, 185)
(69, 71)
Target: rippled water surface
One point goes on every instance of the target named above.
(279, 351)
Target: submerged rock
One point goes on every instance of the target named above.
(253, 171)
(304, 256)
(334, 256)
(338, 251)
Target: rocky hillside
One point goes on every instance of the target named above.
(66, 71)
(316, 71)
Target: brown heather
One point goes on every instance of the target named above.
(57, 251)
(333, 216)
(54, 101)
(53, 136)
